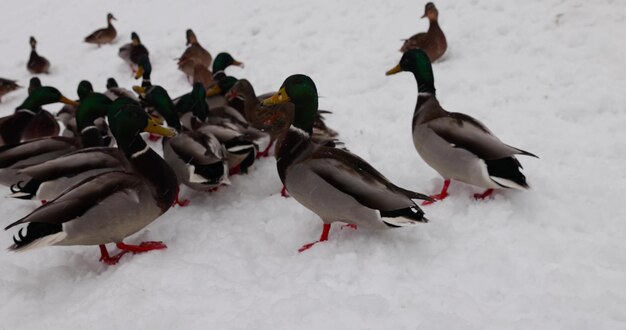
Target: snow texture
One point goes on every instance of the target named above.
(546, 76)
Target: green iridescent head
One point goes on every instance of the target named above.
(224, 60)
(42, 96)
(84, 88)
(300, 90)
(417, 62)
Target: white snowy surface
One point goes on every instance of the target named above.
(546, 76)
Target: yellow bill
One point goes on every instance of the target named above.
(213, 90)
(278, 98)
(394, 70)
(65, 100)
(139, 90)
(154, 128)
(139, 72)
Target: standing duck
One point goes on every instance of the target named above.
(105, 35)
(30, 121)
(335, 184)
(456, 145)
(110, 206)
(7, 86)
(133, 51)
(194, 54)
(36, 64)
(433, 42)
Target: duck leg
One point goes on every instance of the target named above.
(284, 193)
(265, 152)
(143, 247)
(324, 237)
(107, 259)
(443, 194)
(484, 195)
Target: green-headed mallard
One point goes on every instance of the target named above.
(456, 145)
(433, 42)
(105, 35)
(335, 184)
(36, 64)
(30, 121)
(110, 206)
(7, 86)
(67, 114)
(198, 159)
(133, 51)
(193, 54)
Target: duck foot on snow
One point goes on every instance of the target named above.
(442, 195)
(324, 237)
(484, 195)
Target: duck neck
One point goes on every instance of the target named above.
(91, 108)
(292, 146)
(305, 115)
(145, 79)
(424, 87)
(33, 54)
(153, 168)
(433, 25)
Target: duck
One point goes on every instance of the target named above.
(458, 146)
(110, 206)
(30, 121)
(335, 184)
(133, 51)
(29, 166)
(193, 54)
(228, 127)
(433, 42)
(197, 158)
(36, 64)
(7, 86)
(105, 35)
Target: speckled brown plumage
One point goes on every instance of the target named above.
(433, 42)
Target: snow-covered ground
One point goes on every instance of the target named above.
(547, 76)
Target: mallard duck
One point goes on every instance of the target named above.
(30, 121)
(194, 54)
(36, 64)
(335, 184)
(110, 206)
(198, 159)
(433, 42)
(105, 35)
(144, 69)
(7, 86)
(30, 160)
(133, 51)
(456, 145)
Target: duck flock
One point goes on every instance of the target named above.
(99, 181)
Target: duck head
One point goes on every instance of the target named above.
(300, 90)
(417, 62)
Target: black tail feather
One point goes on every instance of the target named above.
(31, 187)
(211, 172)
(413, 213)
(34, 231)
(507, 168)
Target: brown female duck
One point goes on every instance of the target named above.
(194, 54)
(36, 64)
(105, 35)
(433, 42)
(7, 86)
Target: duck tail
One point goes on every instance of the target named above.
(37, 235)
(25, 191)
(505, 172)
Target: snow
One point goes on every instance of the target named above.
(545, 76)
